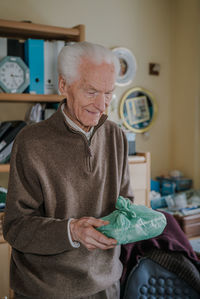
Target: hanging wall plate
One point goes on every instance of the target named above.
(128, 66)
(138, 109)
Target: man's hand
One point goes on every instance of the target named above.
(83, 230)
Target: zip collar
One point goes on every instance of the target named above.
(100, 123)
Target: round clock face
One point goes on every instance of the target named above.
(14, 74)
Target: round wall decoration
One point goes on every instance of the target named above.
(138, 109)
(14, 74)
(128, 66)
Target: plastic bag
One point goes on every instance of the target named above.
(132, 223)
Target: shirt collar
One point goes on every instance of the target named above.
(75, 126)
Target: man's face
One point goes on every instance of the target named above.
(89, 96)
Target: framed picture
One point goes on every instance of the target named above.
(138, 109)
(128, 66)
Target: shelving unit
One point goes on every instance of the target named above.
(139, 167)
(4, 168)
(26, 97)
(5, 264)
(24, 30)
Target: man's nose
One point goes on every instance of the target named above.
(100, 102)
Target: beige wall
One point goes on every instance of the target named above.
(185, 86)
(143, 26)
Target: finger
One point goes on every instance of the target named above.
(93, 237)
(101, 238)
(93, 244)
(83, 231)
(97, 222)
(95, 248)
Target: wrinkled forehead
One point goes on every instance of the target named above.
(98, 77)
(90, 70)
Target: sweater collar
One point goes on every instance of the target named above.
(100, 123)
(75, 126)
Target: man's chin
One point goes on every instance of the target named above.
(93, 122)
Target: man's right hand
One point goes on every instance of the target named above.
(83, 230)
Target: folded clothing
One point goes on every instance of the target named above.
(3, 194)
(131, 223)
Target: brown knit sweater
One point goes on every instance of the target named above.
(56, 175)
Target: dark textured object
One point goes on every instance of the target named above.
(148, 279)
(170, 250)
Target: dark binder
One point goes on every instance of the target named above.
(15, 48)
(8, 133)
(4, 126)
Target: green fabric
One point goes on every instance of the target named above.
(132, 223)
(3, 193)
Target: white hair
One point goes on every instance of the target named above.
(71, 55)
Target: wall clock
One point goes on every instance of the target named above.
(138, 109)
(128, 66)
(14, 75)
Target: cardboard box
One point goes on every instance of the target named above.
(190, 224)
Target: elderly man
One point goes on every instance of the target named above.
(66, 173)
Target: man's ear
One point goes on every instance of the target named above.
(62, 85)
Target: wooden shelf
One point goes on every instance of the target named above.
(1, 233)
(139, 158)
(26, 97)
(2, 239)
(4, 168)
(139, 167)
(24, 30)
